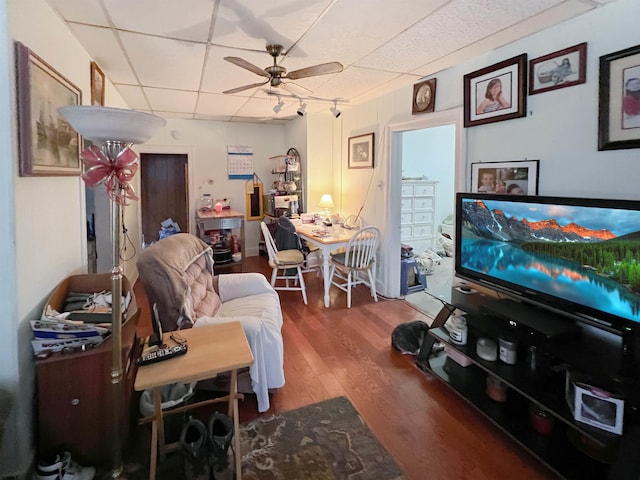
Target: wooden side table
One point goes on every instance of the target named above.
(212, 349)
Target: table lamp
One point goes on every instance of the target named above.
(326, 202)
(110, 161)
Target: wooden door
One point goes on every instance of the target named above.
(164, 192)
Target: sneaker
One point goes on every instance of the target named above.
(195, 447)
(62, 467)
(221, 435)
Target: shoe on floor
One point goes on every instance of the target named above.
(221, 435)
(195, 447)
(62, 467)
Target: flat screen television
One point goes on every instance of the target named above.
(577, 256)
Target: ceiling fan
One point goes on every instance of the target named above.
(275, 74)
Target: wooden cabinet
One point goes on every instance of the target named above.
(74, 404)
(225, 222)
(417, 213)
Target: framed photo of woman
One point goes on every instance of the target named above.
(519, 177)
(496, 93)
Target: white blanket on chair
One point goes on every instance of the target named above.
(257, 306)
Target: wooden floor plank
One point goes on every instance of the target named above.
(429, 430)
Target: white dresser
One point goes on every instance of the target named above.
(417, 219)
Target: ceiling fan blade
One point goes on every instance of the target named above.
(249, 66)
(322, 69)
(245, 87)
(295, 89)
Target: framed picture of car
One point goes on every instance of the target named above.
(564, 68)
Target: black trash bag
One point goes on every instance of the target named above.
(407, 337)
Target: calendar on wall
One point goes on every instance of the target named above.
(239, 162)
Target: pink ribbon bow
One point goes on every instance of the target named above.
(115, 174)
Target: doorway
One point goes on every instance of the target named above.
(164, 193)
(394, 134)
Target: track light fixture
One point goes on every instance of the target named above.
(279, 105)
(302, 109)
(334, 109)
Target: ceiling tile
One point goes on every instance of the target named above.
(133, 95)
(103, 46)
(159, 62)
(213, 104)
(252, 24)
(166, 100)
(81, 11)
(458, 24)
(186, 19)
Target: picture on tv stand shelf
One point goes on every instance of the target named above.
(580, 256)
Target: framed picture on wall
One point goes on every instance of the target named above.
(619, 100)
(564, 68)
(361, 151)
(47, 144)
(97, 85)
(511, 178)
(496, 93)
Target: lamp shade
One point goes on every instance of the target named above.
(101, 124)
(326, 201)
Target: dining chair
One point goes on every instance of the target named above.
(348, 267)
(283, 262)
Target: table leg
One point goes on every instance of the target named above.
(325, 277)
(157, 433)
(233, 413)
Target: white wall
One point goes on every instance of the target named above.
(205, 142)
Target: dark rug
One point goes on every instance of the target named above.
(323, 441)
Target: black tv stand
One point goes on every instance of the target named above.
(544, 387)
(528, 321)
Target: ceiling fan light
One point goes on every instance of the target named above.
(302, 109)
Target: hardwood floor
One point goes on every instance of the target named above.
(430, 431)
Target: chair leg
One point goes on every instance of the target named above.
(273, 276)
(349, 290)
(372, 284)
(303, 287)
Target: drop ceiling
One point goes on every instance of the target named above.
(167, 56)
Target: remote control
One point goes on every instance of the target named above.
(162, 354)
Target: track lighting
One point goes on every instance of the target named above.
(278, 106)
(302, 109)
(334, 109)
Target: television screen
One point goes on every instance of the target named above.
(579, 256)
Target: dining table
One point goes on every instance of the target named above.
(327, 239)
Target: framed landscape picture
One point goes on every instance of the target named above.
(511, 178)
(47, 144)
(496, 93)
(619, 100)
(564, 68)
(361, 151)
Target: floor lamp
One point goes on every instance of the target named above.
(111, 162)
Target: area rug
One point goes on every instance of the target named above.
(323, 441)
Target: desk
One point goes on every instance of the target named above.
(225, 220)
(213, 349)
(327, 245)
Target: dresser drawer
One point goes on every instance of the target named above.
(423, 217)
(422, 190)
(422, 231)
(423, 203)
(406, 218)
(406, 204)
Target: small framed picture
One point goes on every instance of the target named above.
(361, 151)
(619, 100)
(564, 68)
(511, 178)
(424, 97)
(97, 85)
(496, 93)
